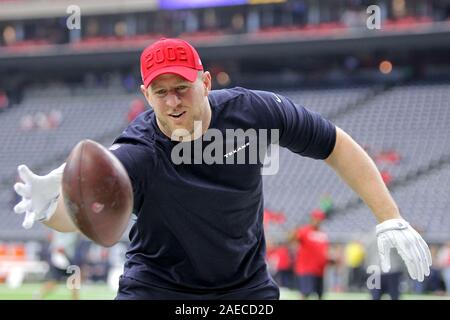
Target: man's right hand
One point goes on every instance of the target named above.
(39, 194)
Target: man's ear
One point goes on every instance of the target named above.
(144, 91)
(146, 95)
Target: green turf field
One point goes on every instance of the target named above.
(87, 292)
(102, 292)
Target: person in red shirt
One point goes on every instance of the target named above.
(279, 257)
(137, 106)
(312, 256)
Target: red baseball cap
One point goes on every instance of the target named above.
(318, 215)
(169, 56)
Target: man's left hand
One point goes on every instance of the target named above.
(397, 233)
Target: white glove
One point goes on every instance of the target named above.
(59, 260)
(39, 194)
(397, 233)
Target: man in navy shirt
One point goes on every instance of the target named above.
(195, 161)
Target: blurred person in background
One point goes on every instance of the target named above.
(137, 106)
(312, 255)
(389, 282)
(4, 101)
(443, 260)
(280, 258)
(433, 284)
(326, 204)
(54, 118)
(335, 273)
(354, 260)
(97, 263)
(26, 122)
(60, 255)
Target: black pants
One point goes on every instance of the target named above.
(309, 284)
(286, 278)
(132, 289)
(390, 284)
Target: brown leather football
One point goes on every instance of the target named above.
(97, 192)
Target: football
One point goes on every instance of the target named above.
(97, 192)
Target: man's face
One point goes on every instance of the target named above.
(177, 102)
(315, 222)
